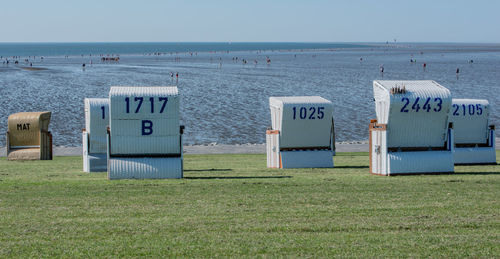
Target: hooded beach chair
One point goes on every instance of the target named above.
(302, 133)
(411, 134)
(144, 135)
(474, 136)
(94, 134)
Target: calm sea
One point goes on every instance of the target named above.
(225, 100)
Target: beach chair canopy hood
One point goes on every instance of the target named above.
(302, 121)
(28, 136)
(416, 112)
(24, 127)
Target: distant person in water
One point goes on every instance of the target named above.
(424, 65)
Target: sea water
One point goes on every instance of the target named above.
(225, 100)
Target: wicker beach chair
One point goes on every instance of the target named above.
(28, 136)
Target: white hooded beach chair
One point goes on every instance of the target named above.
(94, 134)
(302, 133)
(411, 134)
(474, 136)
(144, 137)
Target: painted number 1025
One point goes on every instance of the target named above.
(310, 113)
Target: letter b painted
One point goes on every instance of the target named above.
(147, 127)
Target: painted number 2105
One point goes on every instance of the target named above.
(310, 113)
(470, 109)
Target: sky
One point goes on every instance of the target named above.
(250, 21)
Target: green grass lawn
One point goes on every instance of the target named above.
(232, 205)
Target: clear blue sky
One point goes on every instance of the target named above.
(250, 20)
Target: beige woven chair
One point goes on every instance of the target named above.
(28, 136)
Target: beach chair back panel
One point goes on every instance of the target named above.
(470, 120)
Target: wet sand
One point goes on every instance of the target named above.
(34, 68)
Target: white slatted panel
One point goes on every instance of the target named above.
(420, 162)
(476, 155)
(419, 126)
(96, 122)
(307, 159)
(470, 120)
(95, 162)
(145, 168)
(146, 145)
(379, 152)
(272, 150)
(303, 121)
(159, 108)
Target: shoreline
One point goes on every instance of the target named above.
(355, 146)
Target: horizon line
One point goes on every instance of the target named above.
(230, 42)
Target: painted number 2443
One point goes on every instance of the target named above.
(430, 104)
